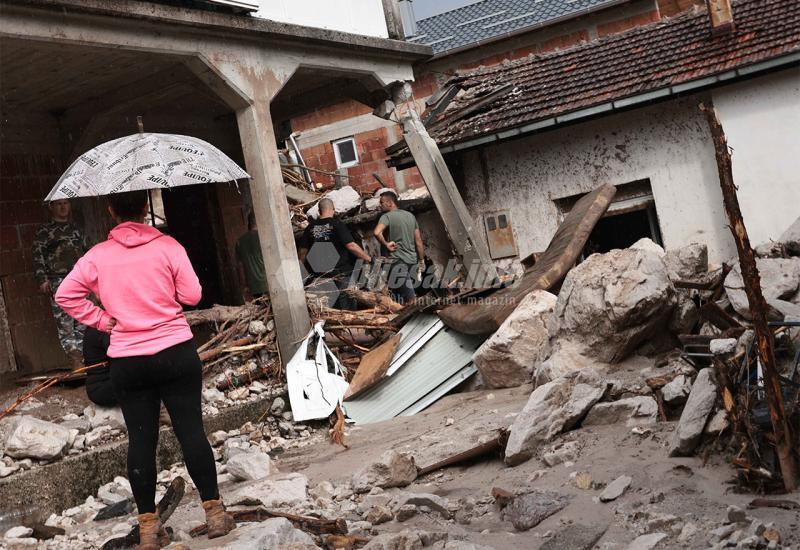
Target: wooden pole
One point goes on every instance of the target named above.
(756, 301)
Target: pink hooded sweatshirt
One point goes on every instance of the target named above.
(142, 277)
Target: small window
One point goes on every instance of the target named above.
(345, 151)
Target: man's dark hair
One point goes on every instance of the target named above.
(391, 194)
(128, 206)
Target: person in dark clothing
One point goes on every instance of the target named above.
(328, 248)
(98, 379)
(251, 263)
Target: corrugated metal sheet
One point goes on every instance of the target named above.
(414, 334)
(438, 366)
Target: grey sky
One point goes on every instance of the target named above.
(426, 8)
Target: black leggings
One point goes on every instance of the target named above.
(173, 376)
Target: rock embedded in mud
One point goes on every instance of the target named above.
(647, 542)
(551, 409)
(695, 414)
(393, 469)
(615, 489)
(272, 534)
(404, 540)
(530, 509)
(676, 391)
(634, 411)
(250, 465)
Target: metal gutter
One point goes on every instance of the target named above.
(620, 104)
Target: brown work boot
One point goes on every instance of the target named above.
(152, 535)
(219, 522)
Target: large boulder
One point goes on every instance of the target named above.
(612, 302)
(634, 411)
(34, 438)
(509, 356)
(780, 279)
(392, 469)
(250, 465)
(272, 534)
(344, 200)
(687, 263)
(695, 414)
(566, 356)
(551, 409)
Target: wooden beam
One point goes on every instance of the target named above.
(758, 305)
(457, 220)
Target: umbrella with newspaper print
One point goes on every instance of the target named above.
(145, 161)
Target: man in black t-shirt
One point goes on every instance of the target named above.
(328, 248)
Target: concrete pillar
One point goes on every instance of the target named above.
(275, 232)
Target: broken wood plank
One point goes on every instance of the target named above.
(718, 317)
(491, 446)
(783, 504)
(755, 299)
(373, 367)
(374, 299)
(564, 249)
(220, 314)
(355, 318)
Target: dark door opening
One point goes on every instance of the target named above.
(621, 230)
(189, 222)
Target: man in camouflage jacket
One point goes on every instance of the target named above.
(57, 245)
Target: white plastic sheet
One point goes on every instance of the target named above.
(316, 384)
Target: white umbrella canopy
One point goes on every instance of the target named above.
(145, 161)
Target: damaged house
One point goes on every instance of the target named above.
(527, 138)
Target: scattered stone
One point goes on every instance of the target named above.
(6, 471)
(379, 514)
(695, 414)
(685, 315)
(575, 537)
(218, 438)
(105, 416)
(404, 540)
(615, 489)
(34, 438)
(249, 466)
(96, 435)
(634, 411)
(780, 278)
(688, 532)
(392, 469)
(563, 452)
(551, 409)
(687, 263)
(239, 393)
(662, 522)
(722, 346)
(771, 535)
(612, 302)
(80, 423)
(273, 491)
(647, 542)
(736, 514)
(723, 532)
(111, 494)
(405, 512)
(272, 534)
(676, 391)
(278, 406)
(256, 328)
(19, 532)
(434, 502)
(530, 509)
(213, 395)
(506, 359)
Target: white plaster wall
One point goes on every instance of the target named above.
(353, 16)
(668, 143)
(761, 118)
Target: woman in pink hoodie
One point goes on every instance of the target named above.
(142, 277)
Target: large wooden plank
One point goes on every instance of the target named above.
(373, 367)
(558, 259)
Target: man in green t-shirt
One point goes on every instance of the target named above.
(404, 245)
(251, 263)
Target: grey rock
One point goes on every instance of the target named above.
(685, 315)
(34, 438)
(575, 537)
(250, 465)
(462, 545)
(278, 406)
(695, 414)
(551, 409)
(256, 327)
(507, 358)
(392, 469)
(718, 423)
(18, 532)
(722, 532)
(780, 278)
(530, 509)
(404, 540)
(664, 522)
(344, 200)
(111, 493)
(565, 357)
(687, 263)
(676, 391)
(434, 502)
(212, 396)
(273, 491)
(615, 489)
(722, 346)
(81, 424)
(647, 542)
(105, 416)
(563, 452)
(272, 534)
(736, 514)
(218, 438)
(612, 302)
(379, 514)
(634, 411)
(405, 512)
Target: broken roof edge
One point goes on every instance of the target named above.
(615, 106)
(529, 28)
(229, 23)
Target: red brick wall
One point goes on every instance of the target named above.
(29, 167)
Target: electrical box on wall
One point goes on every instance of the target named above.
(500, 235)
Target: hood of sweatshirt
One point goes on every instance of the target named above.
(132, 234)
